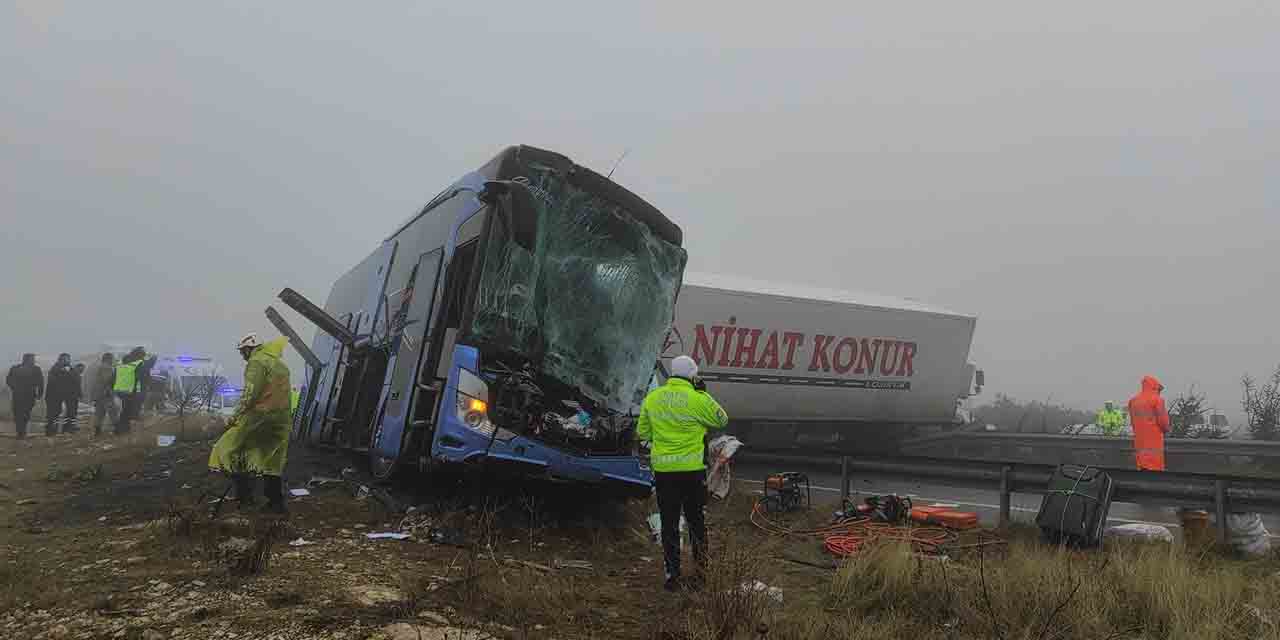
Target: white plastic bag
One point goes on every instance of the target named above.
(1248, 535)
(1136, 531)
(720, 475)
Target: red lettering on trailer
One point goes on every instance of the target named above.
(820, 358)
(704, 350)
(904, 363)
(793, 340)
(769, 359)
(846, 344)
(746, 348)
(731, 346)
(870, 349)
(728, 341)
(886, 365)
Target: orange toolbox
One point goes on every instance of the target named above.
(945, 516)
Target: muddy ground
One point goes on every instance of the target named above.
(117, 537)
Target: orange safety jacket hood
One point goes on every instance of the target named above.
(1150, 422)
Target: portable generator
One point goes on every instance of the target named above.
(787, 491)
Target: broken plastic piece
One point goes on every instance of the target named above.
(774, 593)
(387, 535)
(298, 493)
(165, 441)
(300, 542)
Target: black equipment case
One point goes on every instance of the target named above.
(1075, 505)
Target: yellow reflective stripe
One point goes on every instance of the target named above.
(673, 458)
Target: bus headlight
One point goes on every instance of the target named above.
(473, 405)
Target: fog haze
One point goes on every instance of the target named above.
(1097, 182)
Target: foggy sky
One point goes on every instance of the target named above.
(1097, 182)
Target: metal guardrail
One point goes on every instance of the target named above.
(1222, 494)
(1241, 458)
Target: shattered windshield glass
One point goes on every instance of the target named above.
(590, 303)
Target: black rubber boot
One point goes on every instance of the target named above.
(273, 488)
(244, 490)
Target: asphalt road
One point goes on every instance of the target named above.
(986, 503)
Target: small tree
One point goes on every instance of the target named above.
(196, 398)
(1262, 406)
(1186, 414)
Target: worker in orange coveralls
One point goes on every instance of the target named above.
(1150, 422)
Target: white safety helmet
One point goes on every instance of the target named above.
(684, 367)
(250, 341)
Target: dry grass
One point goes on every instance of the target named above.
(1035, 592)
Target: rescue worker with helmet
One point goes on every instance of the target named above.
(674, 419)
(257, 438)
(1150, 424)
(1110, 420)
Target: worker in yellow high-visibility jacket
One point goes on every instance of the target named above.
(256, 441)
(1110, 419)
(674, 419)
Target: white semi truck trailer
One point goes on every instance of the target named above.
(803, 368)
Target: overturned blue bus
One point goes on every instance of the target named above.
(512, 325)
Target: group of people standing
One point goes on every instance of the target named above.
(64, 387)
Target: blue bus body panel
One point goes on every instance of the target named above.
(454, 442)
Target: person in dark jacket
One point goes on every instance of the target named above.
(104, 402)
(26, 385)
(78, 371)
(59, 392)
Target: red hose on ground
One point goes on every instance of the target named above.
(850, 535)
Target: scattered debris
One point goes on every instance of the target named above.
(774, 593)
(1248, 535)
(318, 481)
(720, 475)
(388, 535)
(1138, 531)
(299, 542)
(415, 523)
(572, 564)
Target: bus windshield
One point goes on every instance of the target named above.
(588, 303)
